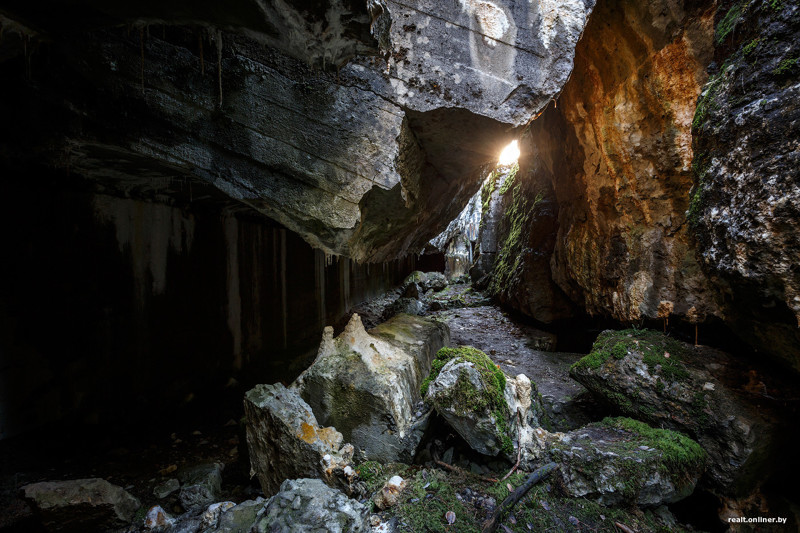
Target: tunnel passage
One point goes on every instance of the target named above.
(116, 306)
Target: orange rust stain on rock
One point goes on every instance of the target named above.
(308, 433)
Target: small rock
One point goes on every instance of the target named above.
(211, 515)
(157, 518)
(389, 495)
(201, 485)
(89, 504)
(162, 490)
(448, 455)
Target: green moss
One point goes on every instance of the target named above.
(465, 398)
(680, 454)
(662, 355)
(751, 46)
(509, 256)
(509, 179)
(372, 473)
(729, 21)
(431, 493)
(700, 165)
(785, 66)
(706, 103)
(429, 496)
(776, 5)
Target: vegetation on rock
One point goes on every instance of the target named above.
(465, 398)
(662, 354)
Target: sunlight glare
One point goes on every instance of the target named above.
(509, 155)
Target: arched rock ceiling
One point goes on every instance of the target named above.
(364, 138)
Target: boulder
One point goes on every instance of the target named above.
(200, 485)
(468, 390)
(623, 461)
(81, 504)
(649, 376)
(426, 281)
(285, 440)
(403, 305)
(366, 385)
(308, 506)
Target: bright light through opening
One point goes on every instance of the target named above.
(509, 155)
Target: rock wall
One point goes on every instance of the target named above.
(113, 307)
(745, 210)
(610, 163)
(368, 158)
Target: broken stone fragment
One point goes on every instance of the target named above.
(366, 385)
(389, 494)
(162, 490)
(212, 514)
(200, 485)
(286, 442)
(310, 505)
(527, 411)
(649, 376)
(240, 518)
(157, 519)
(81, 504)
(622, 461)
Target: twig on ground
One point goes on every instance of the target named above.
(511, 500)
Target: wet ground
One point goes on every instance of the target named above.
(522, 349)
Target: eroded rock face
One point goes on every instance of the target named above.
(370, 161)
(285, 440)
(745, 207)
(366, 385)
(611, 168)
(81, 504)
(700, 392)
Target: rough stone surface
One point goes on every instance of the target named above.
(157, 519)
(200, 485)
(517, 240)
(241, 518)
(81, 504)
(480, 428)
(611, 167)
(457, 241)
(162, 490)
(700, 392)
(745, 209)
(616, 466)
(366, 385)
(370, 160)
(308, 505)
(285, 440)
(527, 412)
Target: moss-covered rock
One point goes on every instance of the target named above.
(623, 461)
(468, 390)
(652, 377)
